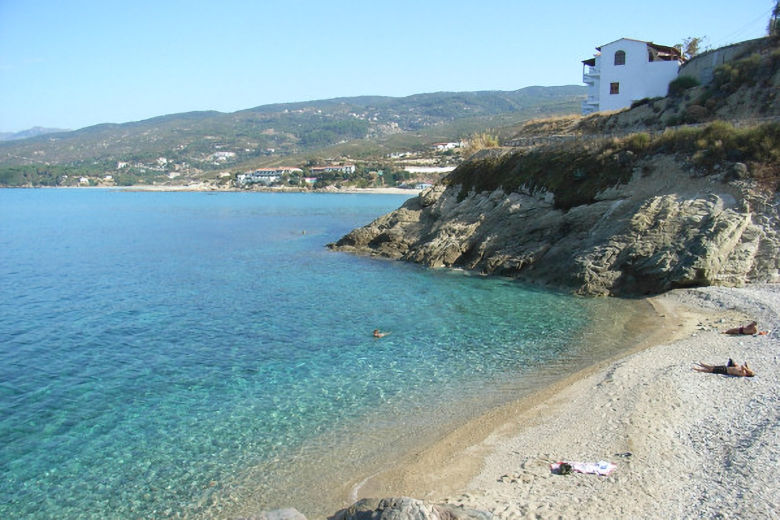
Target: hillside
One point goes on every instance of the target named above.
(200, 144)
(26, 134)
(616, 204)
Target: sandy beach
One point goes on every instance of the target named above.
(686, 444)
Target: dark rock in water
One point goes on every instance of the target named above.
(405, 508)
(278, 514)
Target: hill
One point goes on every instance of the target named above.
(31, 132)
(201, 144)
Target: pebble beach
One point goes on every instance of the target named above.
(686, 444)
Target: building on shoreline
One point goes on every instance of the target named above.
(265, 175)
(346, 169)
(628, 70)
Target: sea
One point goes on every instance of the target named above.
(205, 355)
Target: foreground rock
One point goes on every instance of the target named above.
(666, 227)
(405, 508)
(402, 508)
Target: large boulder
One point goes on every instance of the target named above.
(405, 508)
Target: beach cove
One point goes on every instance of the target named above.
(203, 355)
(686, 444)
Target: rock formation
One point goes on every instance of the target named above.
(400, 508)
(405, 508)
(667, 226)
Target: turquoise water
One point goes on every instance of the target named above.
(198, 355)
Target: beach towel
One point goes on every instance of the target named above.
(601, 467)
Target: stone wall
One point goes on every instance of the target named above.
(703, 65)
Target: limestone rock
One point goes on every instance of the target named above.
(405, 508)
(664, 229)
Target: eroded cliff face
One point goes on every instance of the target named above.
(665, 228)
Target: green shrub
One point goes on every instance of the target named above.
(682, 83)
(638, 142)
(696, 114)
(480, 141)
(640, 102)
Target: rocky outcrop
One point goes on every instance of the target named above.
(405, 508)
(400, 508)
(666, 227)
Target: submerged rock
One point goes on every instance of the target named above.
(277, 514)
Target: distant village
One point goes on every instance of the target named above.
(414, 164)
(410, 169)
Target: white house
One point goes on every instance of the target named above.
(346, 169)
(443, 147)
(265, 175)
(627, 70)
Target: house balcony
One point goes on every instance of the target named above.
(590, 105)
(590, 75)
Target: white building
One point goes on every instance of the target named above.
(443, 147)
(628, 70)
(265, 175)
(346, 169)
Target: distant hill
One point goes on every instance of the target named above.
(196, 143)
(32, 132)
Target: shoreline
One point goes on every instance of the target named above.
(461, 451)
(212, 189)
(646, 401)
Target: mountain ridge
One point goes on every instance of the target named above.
(269, 133)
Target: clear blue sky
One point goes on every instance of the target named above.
(75, 63)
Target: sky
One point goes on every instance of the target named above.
(74, 63)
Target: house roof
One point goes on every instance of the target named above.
(659, 47)
(663, 52)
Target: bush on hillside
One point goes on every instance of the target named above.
(576, 172)
(679, 85)
(479, 141)
(695, 114)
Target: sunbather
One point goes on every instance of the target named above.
(731, 369)
(747, 329)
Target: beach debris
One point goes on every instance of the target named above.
(601, 467)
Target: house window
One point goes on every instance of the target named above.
(620, 58)
(614, 88)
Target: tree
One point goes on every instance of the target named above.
(774, 21)
(691, 46)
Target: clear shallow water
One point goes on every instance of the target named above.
(198, 354)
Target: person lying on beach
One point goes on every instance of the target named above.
(747, 329)
(378, 334)
(731, 369)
